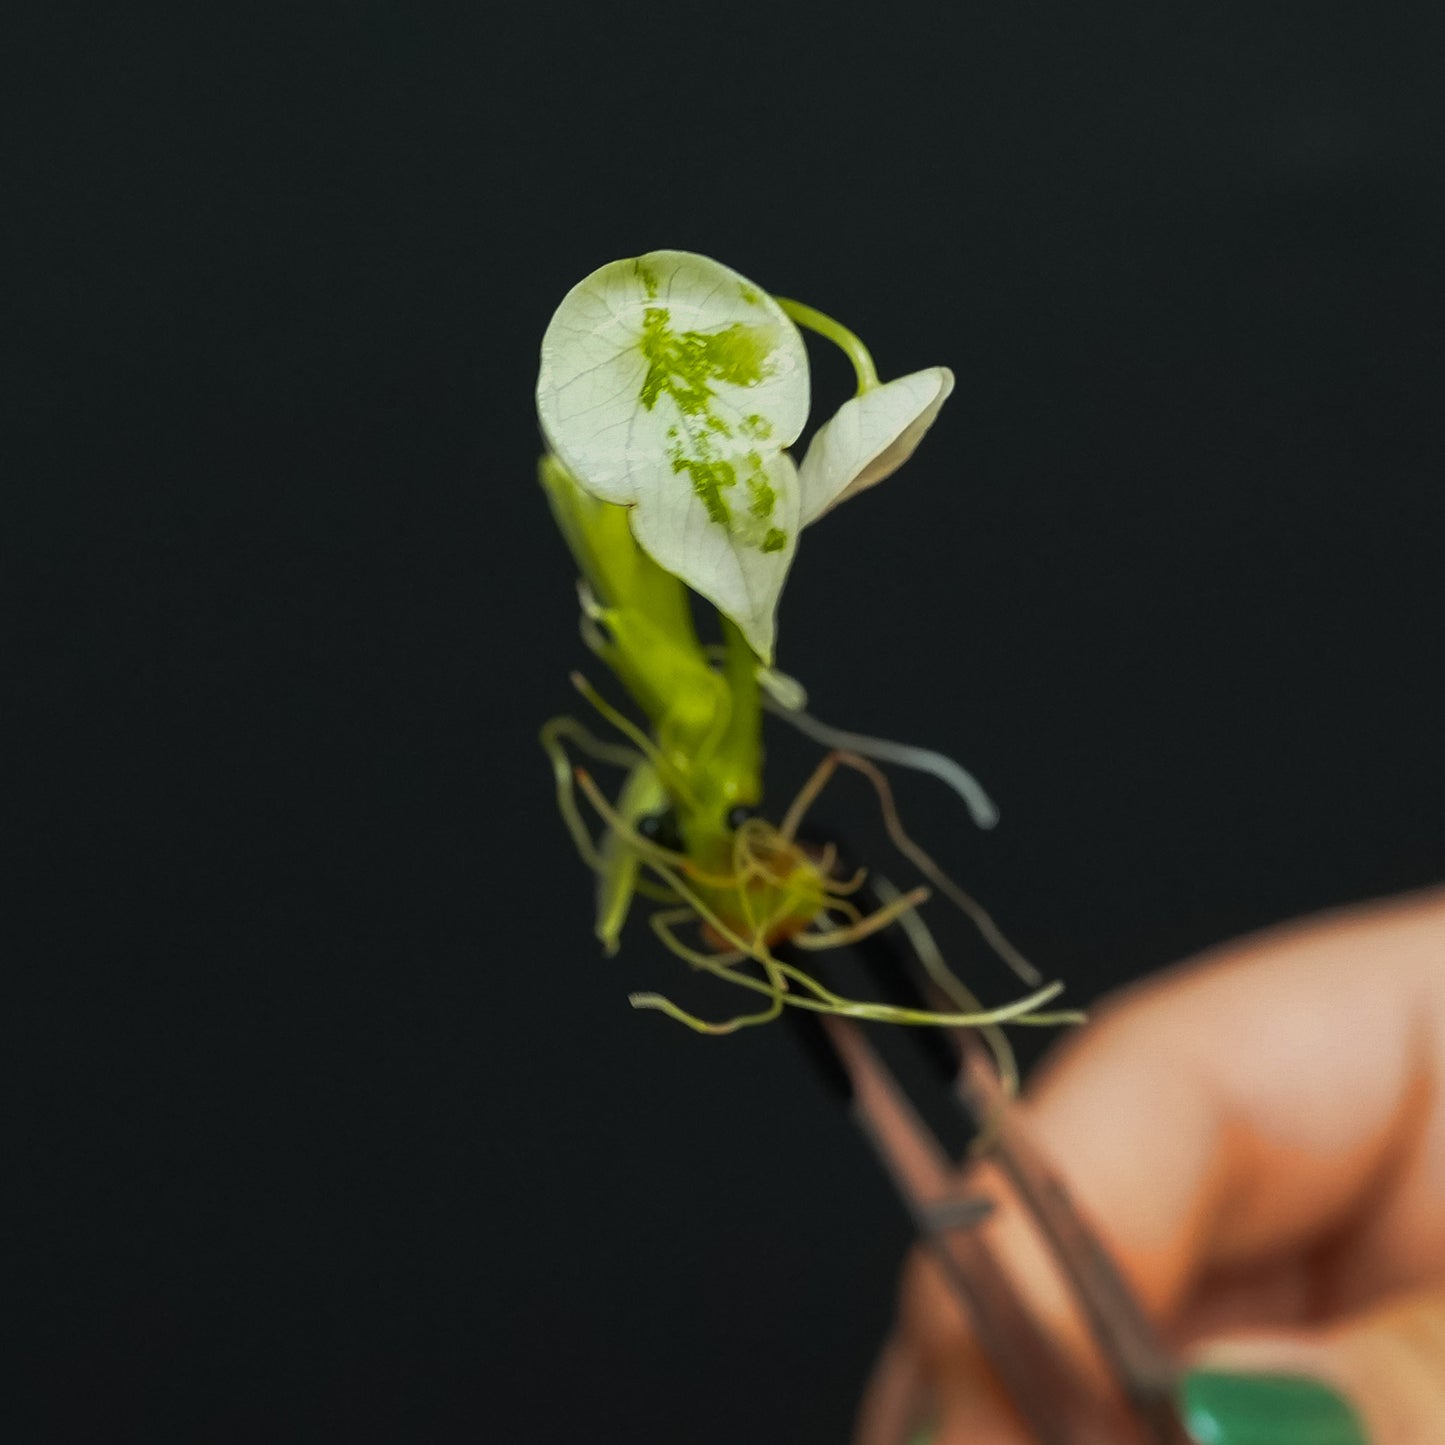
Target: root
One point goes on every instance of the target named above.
(661, 860)
(675, 879)
(930, 957)
(909, 849)
(866, 925)
(816, 998)
(635, 735)
(718, 964)
(552, 736)
(923, 760)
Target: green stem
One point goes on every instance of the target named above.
(738, 762)
(839, 335)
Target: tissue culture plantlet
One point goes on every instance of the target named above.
(670, 391)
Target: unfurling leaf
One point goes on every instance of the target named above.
(869, 438)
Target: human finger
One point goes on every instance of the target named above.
(1236, 1112)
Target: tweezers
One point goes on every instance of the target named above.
(1061, 1402)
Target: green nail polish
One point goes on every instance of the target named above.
(1227, 1409)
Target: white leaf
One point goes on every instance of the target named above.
(741, 576)
(671, 384)
(870, 437)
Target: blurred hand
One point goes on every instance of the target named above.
(1260, 1138)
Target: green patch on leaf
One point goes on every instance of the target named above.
(709, 477)
(684, 365)
(761, 496)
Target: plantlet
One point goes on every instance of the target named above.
(671, 390)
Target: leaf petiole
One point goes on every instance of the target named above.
(824, 325)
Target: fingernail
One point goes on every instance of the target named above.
(1222, 1408)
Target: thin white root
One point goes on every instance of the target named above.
(923, 760)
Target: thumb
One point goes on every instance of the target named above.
(1375, 1379)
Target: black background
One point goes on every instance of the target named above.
(327, 1120)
